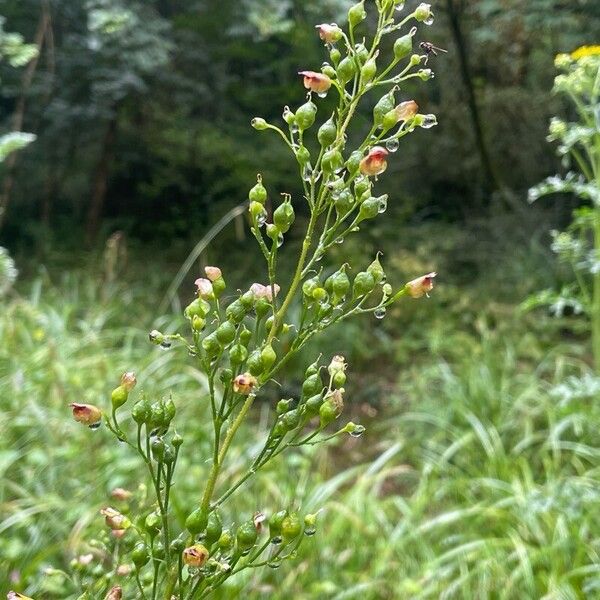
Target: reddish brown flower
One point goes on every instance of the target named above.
(114, 519)
(115, 593)
(421, 285)
(329, 33)
(316, 82)
(195, 556)
(88, 414)
(121, 494)
(406, 110)
(213, 273)
(374, 163)
(244, 384)
(204, 288)
(128, 380)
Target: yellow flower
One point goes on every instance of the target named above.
(583, 51)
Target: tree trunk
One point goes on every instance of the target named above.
(100, 180)
(454, 15)
(10, 164)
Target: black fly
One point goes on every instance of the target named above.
(430, 49)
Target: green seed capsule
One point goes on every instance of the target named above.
(225, 542)
(303, 155)
(424, 13)
(219, 286)
(327, 413)
(262, 307)
(385, 104)
(346, 70)
(237, 354)
(362, 186)
(338, 284)
(118, 397)
(361, 52)
(198, 323)
(344, 202)
(312, 385)
(158, 449)
(403, 46)
(325, 309)
(376, 269)
(327, 133)
(313, 404)
(196, 521)
(255, 363)
(283, 406)
(353, 162)
(364, 283)
(320, 294)
(369, 209)
(357, 14)
(158, 550)
(152, 524)
(312, 369)
(284, 216)
(368, 70)
(259, 123)
(279, 430)
(140, 555)
(268, 357)
(246, 535)
(291, 419)
(225, 332)
(276, 523)
(309, 286)
(177, 440)
(335, 55)
(141, 411)
(157, 415)
(214, 528)
(332, 161)
(235, 311)
(211, 345)
(258, 193)
(245, 336)
(177, 546)
(257, 212)
(225, 376)
(291, 527)
(329, 71)
(170, 410)
(273, 231)
(305, 115)
(339, 379)
(197, 307)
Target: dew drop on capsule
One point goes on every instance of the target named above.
(310, 531)
(379, 314)
(95, 426)
(358, 429)
(280, 240)
(382, 207)
(392, 145)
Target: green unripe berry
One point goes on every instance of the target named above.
(327, 133)
(196, 521)
(357, 14)
(284, 216)
(119, 396)
(305, 115)
(291, 527)
(246, 535)
(258, 193)
(225, 332)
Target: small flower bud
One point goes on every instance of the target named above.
(119, 396)
(353, 429)
(364, 283)
(246, 535)
(327, 133)
(156, 337)
(177, 441)
(424, 14)
(403, 45)
(128, 380)
(114, 519)
(318, 83)
(357, 14)
(425, 74)
(375, 162)
(259, 123)
(346, 70)
(284, 216)
(196, 521)
(329, 33)
(88, 414)
(195, 556)
(244, 384)
(420, 286)
(305, 115)
(204, 289)
(213, 273)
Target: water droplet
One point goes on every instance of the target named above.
(429, 121)
(339, 240)
(245, 552)
(322, 94)
(319, 257)
(280, 240)
(275, 563)
(276, 540)
(165, 345)
(355, 229)
(358, 430)
(261, 219)
(286, 113)
(307, 172)
(192, 352)
(310, 531)
(379, 313)
(95, 426)
(382, 205)
(294, 128)
(392, 145)
(400, 6)
(429, 20)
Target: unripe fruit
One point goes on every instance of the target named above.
(211, 345)
(332, 161)
(357, 14)
(291, 419)
(140, 555)
(312, 385)
(369, 209)
(258, 193)
(346, 70)
(403, 46)
(246, 535)
(254, 363)
(305, 115)
(268, 357)
(291, 527)
(225, 542)
(214, 528)
(313, 404)
(141, 411)
(283, 217)
(327, 133)
(235, 311)
(276, 522)
(225, 332)
(364, 283)
(158, 449)
(196, 521)
(344, 202)
(385, 104)
(368, 71)
(238, 354)
(119, 396)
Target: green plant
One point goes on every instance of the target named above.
(579, 141)
(187, 552)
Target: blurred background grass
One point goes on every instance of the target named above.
(478, 475)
